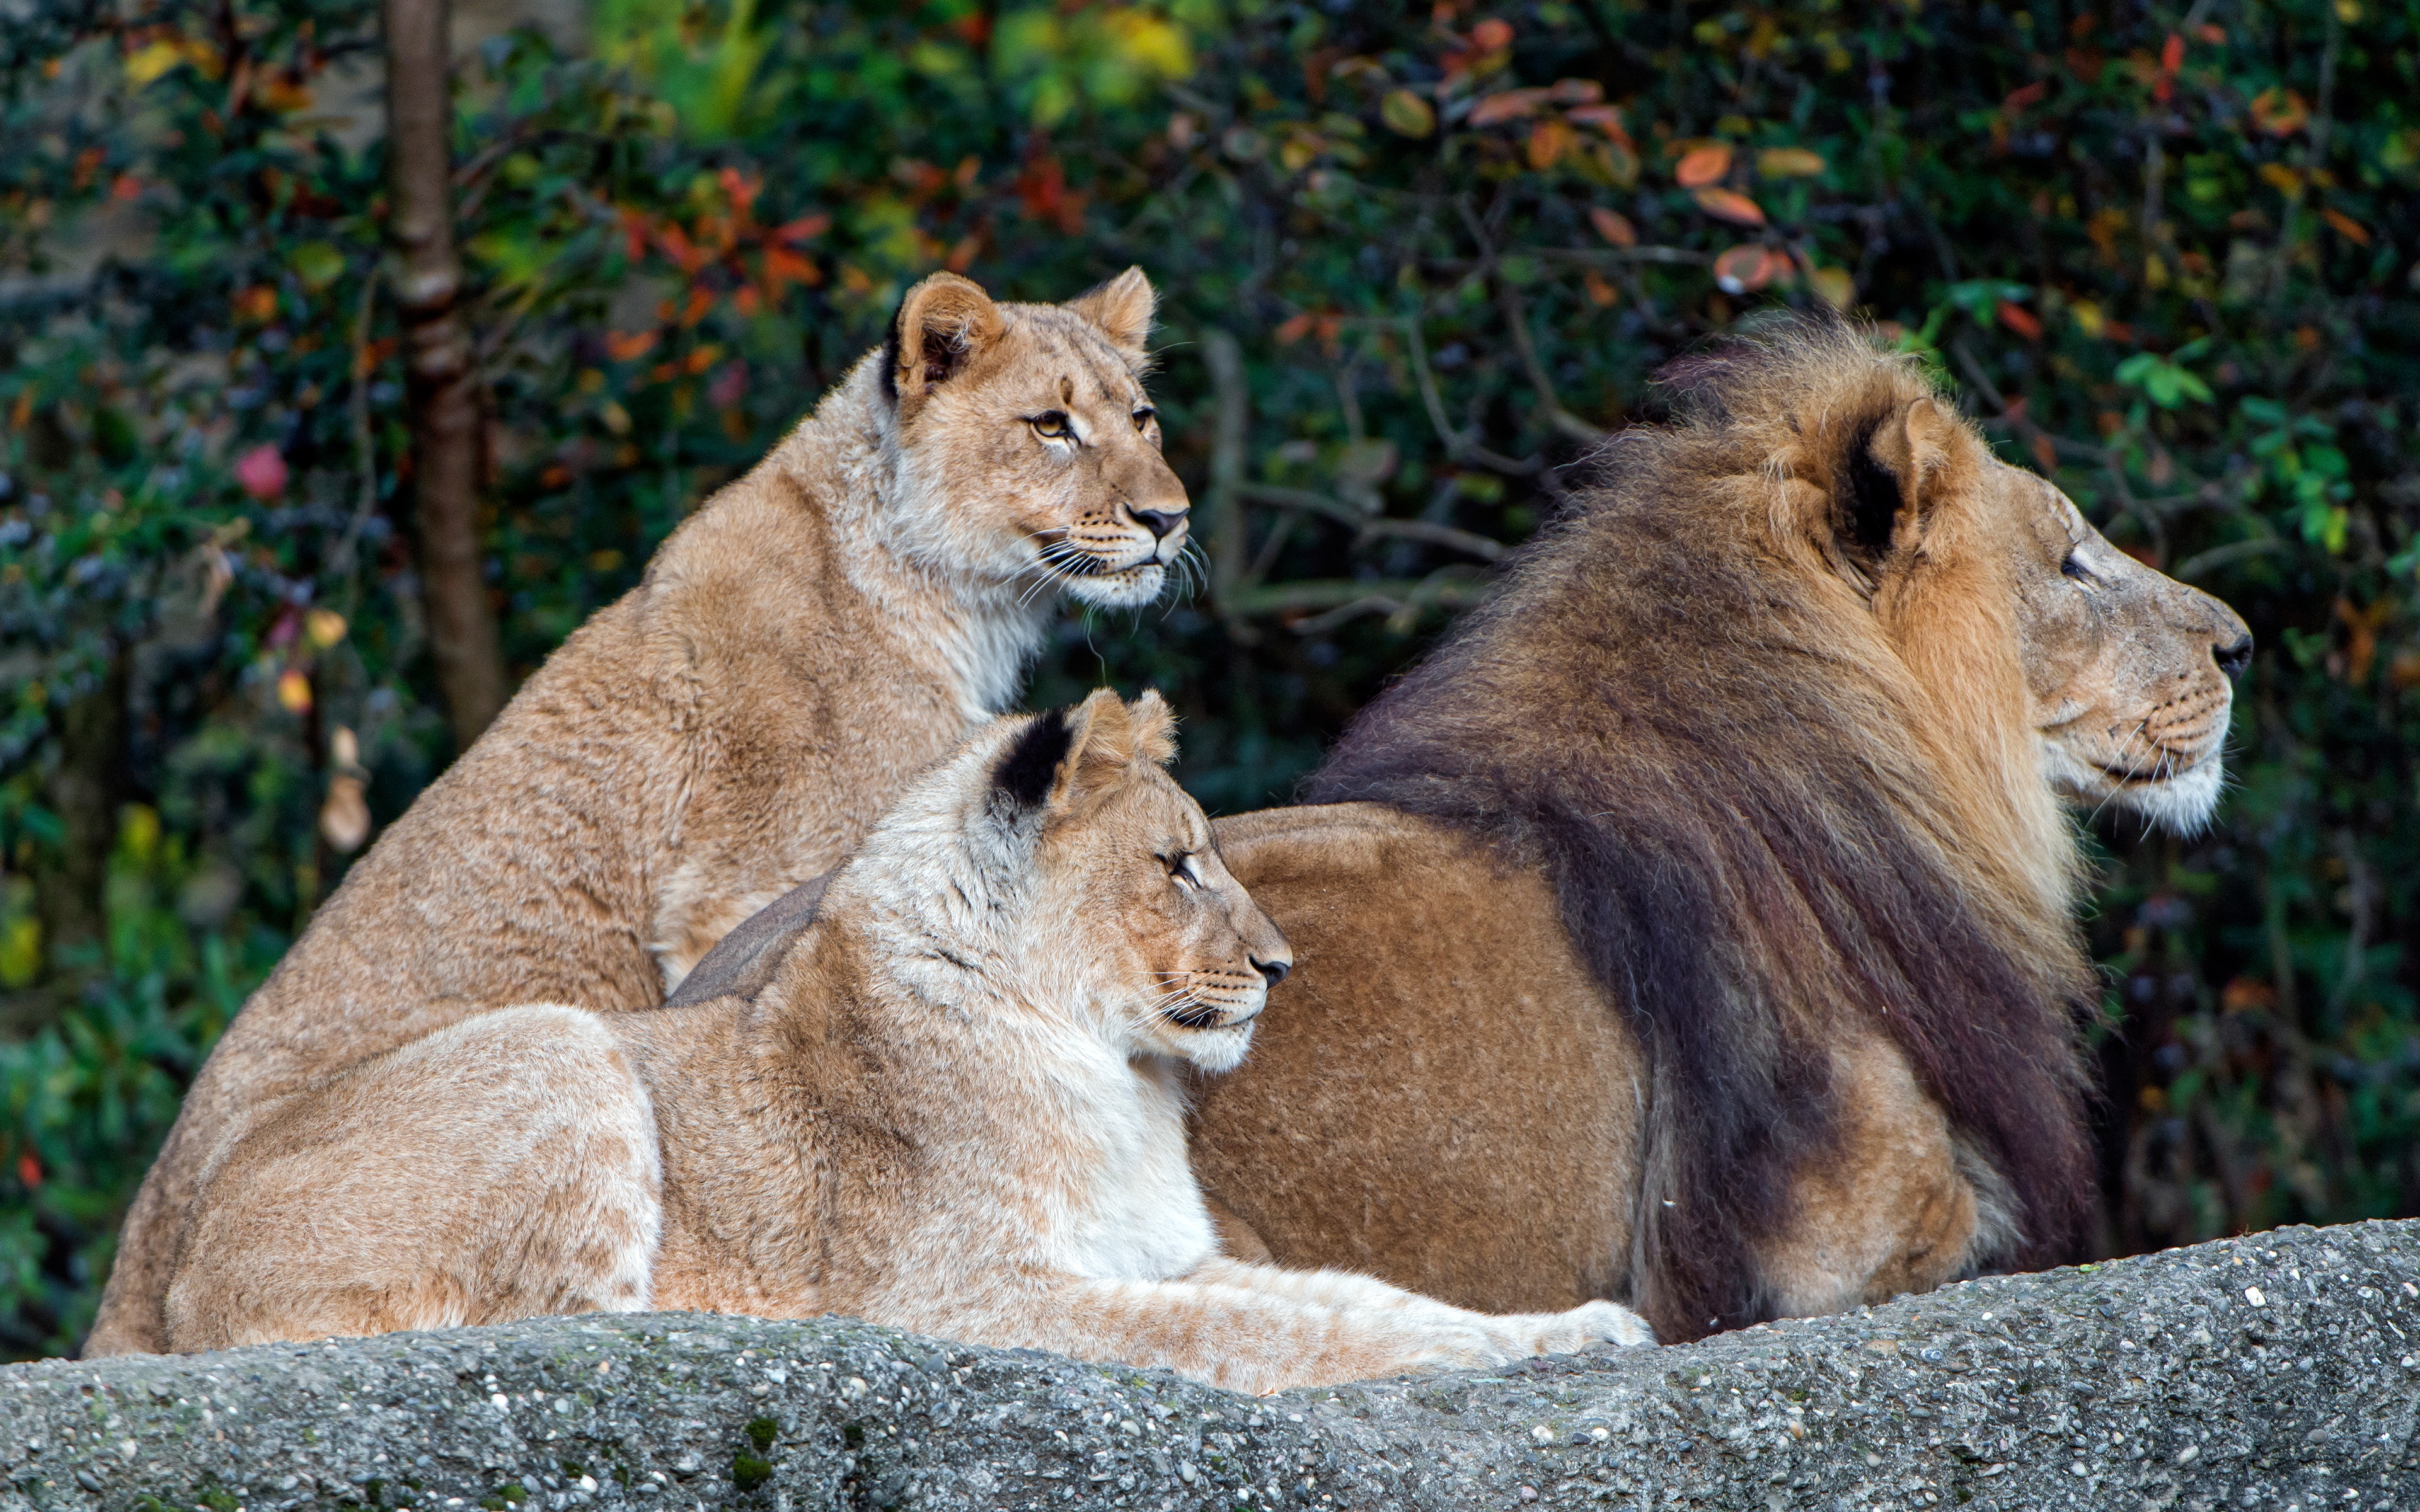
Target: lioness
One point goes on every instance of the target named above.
(1702, 938)
(954, 1108)
(820, 631)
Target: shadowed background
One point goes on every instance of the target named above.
(1414, 264)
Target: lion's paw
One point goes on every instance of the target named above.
(1568, 1332)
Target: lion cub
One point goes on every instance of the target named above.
(820, 631)
(955, 1108)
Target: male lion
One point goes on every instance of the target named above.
(1702, 933)
(815, 634)
(952, 1108)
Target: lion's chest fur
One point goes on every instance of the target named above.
(1131, 1209)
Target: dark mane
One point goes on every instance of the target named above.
(1716, 764)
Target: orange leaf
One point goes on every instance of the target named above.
(294, 691)
(1548, 141)
(804, 229)
(2021, 321)
(1296, 329)
(2030, 94)
(1605, 118)
(1726, 205)
(2280, 112)
(623, 347)
(1614, 227)
(782, 265)
(2346, 227)
(1703, 165)
(1492, 34)
(702, 359)
(700, 300)
(1506, 106)
(2172, 55)
(30, 1170)
(1745, 269)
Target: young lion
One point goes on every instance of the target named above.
(954, 1108)
(821, 630)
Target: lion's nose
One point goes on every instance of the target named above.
(2232, 659)
(1274, 970)
(1160, 521)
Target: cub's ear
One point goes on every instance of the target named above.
(1888, 487)
(1152, 725)
(1123, 309)
(1027, 773)
(1064, 755)
(943, 324)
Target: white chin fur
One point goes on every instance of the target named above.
(1220, 1049)
(1130, 588)
(2182, 805)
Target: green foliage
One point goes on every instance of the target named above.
(2170, 265)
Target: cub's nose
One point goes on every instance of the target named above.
(2233, 658)
(1274, 970)
(1160, 521)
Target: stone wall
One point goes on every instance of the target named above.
(2281, 1370)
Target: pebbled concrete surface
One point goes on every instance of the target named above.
(2279, 1371)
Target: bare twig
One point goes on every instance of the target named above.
(342, 558)
(1459, 445)
(1450, 587)
(1517, 316)
(2199, 563)
(1368, 524)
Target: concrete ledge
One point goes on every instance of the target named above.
(2281, 1370)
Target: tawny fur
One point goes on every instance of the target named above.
(1705, 941)
(955, 1108)
(818, 632)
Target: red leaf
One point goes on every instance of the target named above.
(2030, 94)
(2021, 321)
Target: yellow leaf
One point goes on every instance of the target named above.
(1789, 163)
(2283, 179)
(148, 63)
(324, 627)
(1837, 287)
(294, 691)
(1407, 114)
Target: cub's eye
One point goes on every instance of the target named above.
(1051, 424)
(1180, 871)
(1144, 416)
(2073, 567)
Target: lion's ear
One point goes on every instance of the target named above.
(1123, 309)
(943, 324)
(1892, 483)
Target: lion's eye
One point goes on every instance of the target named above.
(1051, 424)
(1144, 416)
(1180, 870)
(2073, 567)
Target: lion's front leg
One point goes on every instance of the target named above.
(504, 1167)
(1893, 1208)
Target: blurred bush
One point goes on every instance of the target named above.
(1415, 266)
